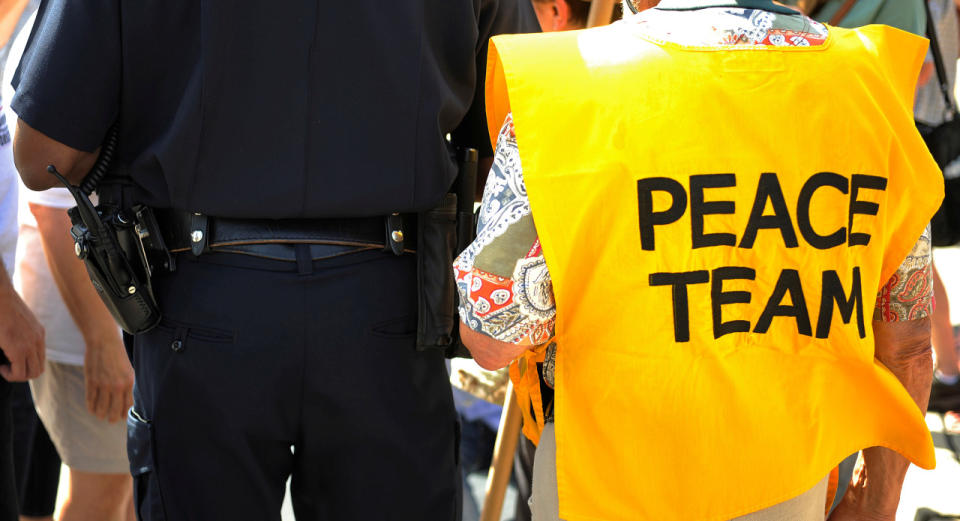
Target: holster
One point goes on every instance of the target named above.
(443, 232)
(117, 248)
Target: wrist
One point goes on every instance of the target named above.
(857, 501)
(102, 340)
(874, 492)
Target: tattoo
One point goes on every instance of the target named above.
(908, 295)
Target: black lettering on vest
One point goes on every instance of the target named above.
(768, 189)
(789, 282)
(822, 242)
(833, 292)
(649, 218)
(681, 308)
(700, 208)
(719, 297)
(869, 182)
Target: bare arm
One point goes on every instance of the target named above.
(874, 493)
(489, 352)
(107, 371)
(21, 336)
(33, 151)
(10, 11)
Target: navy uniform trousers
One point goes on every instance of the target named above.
(256, 356)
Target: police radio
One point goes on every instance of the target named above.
(120, 248)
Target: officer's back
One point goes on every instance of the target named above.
(230, 109)
(274, 142)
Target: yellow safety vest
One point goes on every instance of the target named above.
(717, 223)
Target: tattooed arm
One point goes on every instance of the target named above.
(506, 298)
(901, 329)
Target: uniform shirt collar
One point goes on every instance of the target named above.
(688, 5)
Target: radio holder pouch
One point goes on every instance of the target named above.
(118, 247)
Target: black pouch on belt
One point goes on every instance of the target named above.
(113, 245)
(442, 233)
(120, 275)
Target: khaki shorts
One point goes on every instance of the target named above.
(85, 442)
(545, 504)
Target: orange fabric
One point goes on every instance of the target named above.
(526, 389)
(646, 162)
(832, 485)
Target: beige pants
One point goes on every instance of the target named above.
(545, 504)
(85, 443)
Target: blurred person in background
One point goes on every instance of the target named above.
(35, 458)
(36, 462)
(561, 15)
(85, 391)
(21, 335)
(86, 387)
(930, 109)
(907, 15)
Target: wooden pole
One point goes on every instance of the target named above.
(503, 450)
(600, 12)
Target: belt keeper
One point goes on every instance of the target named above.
(395, 233)
(199, 234)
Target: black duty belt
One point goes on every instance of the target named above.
(198, 233)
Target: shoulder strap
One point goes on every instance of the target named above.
(844, 9)
(938, 60)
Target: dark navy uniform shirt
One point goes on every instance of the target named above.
(269, 108)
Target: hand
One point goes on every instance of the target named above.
(109, 379)
(21, 339)
(488, 353)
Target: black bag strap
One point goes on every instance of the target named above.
(938, 62)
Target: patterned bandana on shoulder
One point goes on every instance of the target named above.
(688, 5)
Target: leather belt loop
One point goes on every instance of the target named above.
(199, 234)
(394, 237)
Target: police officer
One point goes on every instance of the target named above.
(274, 140)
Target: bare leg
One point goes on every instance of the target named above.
(32, 518)
(943, 341)
(97, 497)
